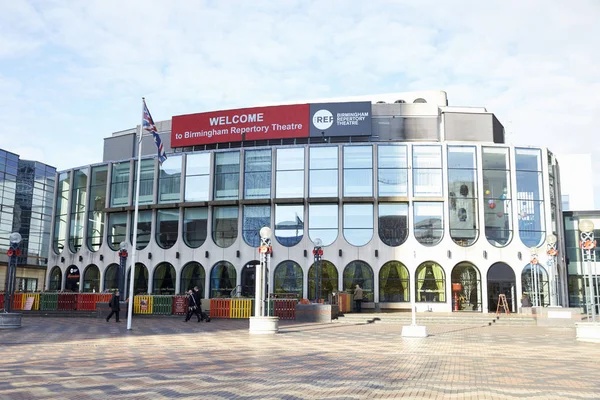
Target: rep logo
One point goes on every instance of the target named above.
(323, 119)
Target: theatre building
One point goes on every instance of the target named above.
(411, 198)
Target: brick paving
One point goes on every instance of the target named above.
(165, 358)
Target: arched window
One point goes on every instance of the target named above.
(530, 196)
(255, 217)
(529, 280)
(117, 229)
(140, 283)
(500, 280)
(358, 223)
(111, 277)
(195, 222)
(167, 226)
(462, 194)
(288, 279)
(192, 275)
(72, 279)
(466, 287)
(429, 222)
(143, 228)
(289, 224)
(431, 283)
(247, 288)
(97, 203)
(225, 226)
(79, 200)
(393, 223)
(328, 280)
(91, 279)
(55, 279)
(223, 279)
(497, 195)
(360, 273)
(61, 212)
(323, 222)
(164, 279)
(394, 283)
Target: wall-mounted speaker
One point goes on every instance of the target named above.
(176, 254)
(62, 259)
(376, 253)
(149, 256)
(305, 253)
(340, 252)
(206, 254)
(485, 255)
(101, 257)
(519, 256)
(237, 253)
(80, 258)
(449, 253)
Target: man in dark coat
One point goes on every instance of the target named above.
(198, 297)
(114, 305)
(193, 307)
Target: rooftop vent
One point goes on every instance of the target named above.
(400, 101)
(420, 100)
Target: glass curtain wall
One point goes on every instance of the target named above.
(167, 227)
(197, 177)
(97, 202)
(227, 176)
(144, 228)
(392, 170)
(323, 222)
(61, 213)
(119, 184)
(497, 195)
(289, 177)
(323, 172)
(255, 217)
(225, 226)
(117, 229)
(289, 224)
(358, 223)
(393, 223)
(169, 180)
(462, 194)
(429, 222)
(78, 202)
(146, 181)
(358, 171)
(427, 171)
(195, 225)
(257, 174)
(530, 196)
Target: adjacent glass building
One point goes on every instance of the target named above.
(430, 206)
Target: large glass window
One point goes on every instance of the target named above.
(462, 194)
(91, 279)
(255, 217)
(528, 283)
(169, 180)
(111, 277)
(393, 223)
(530, 196)
(466, 287)
(497, 195)
(117, 229)
(392, 170)
(97, 202)
(358, 223)
(143, 228)
(55, 279)
(429, 222)
(192, 275)
(140, 282)
(164, 279)
(119, 185)
(289, 179)
(359, 273)
(79, 199)
(197, 177)
(288, 279)
(427, 171)
(393, 282)
(323, 178)
(167, 227)
(431, 283)
(227, 175)
(323, 222)
(257, 174)
(289, 224)
(195, 221)
(223, 278)
(61, 213)
(328, 279)
(224, 223)
(146, 181)
(358, 171)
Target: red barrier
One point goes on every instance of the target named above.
(2, 300)
(17, 301)
(180, 304)
(284, 309)
(103, 297)
(219, 308)
(86, 301)
(67, 301)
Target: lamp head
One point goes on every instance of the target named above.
(551, 239)
(318, 242)
(15, 238)
(533, 251)
(585, 225)
(123, 246)
(265, 232)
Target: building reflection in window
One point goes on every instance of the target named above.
(289, 178)
(223, 278)
(394, 282)
(462, 194)
(392, 170)
(359, 273)
(227, 175)
(467, 276)
(358, 223)
(119, 184)
(323, 173)
(288, 279)
(497, 195)
(78, 203)
(430, 283)
(197, 177)
(97, 203)
(169, 180)
(530, 197)
(393, 223)
(146, 181)
(427, 170)
(527, 286)
(140, 283)
(289, 224)
(111, 277)
(255, 217)
(429, 222)
(323, 222)
(61, 213)
(358, 171)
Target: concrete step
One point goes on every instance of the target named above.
(437, 318)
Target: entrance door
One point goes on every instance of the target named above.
(501, 280)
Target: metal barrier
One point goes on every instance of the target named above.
(35, 303)
(17, 301)
(143, 304)
(241, 308)
(284, 308)
(67, 301)
(162, 305)
(48, 301)
(86, 301)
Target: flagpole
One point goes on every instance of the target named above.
(135, 221)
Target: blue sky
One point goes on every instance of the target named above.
(73, 72)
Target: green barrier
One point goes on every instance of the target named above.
(48, 301)
(162, 305)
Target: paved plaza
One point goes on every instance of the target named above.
(165, 358)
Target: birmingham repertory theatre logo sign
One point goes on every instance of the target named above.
(340, 119)
(323, 119)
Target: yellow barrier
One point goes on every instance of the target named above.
(36, 300)
(142, 305)
(240, 308)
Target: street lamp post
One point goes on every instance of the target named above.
(122, 267)
(13, 252)
(552, 251)
(318, 254)
(261, 323)
(588, 246)
(535, 287)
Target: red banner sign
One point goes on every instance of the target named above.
(259, 123)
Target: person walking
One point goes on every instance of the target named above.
(358, 298)
(198, 296)
(192, 307)
(114, 305)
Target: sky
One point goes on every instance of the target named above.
(73, 72)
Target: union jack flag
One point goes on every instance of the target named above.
(148, 125)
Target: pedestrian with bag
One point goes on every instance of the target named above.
(192, 307)
(114, 305)
(203, 316)
(358, 298)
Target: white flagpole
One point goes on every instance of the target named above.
(135, 222)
